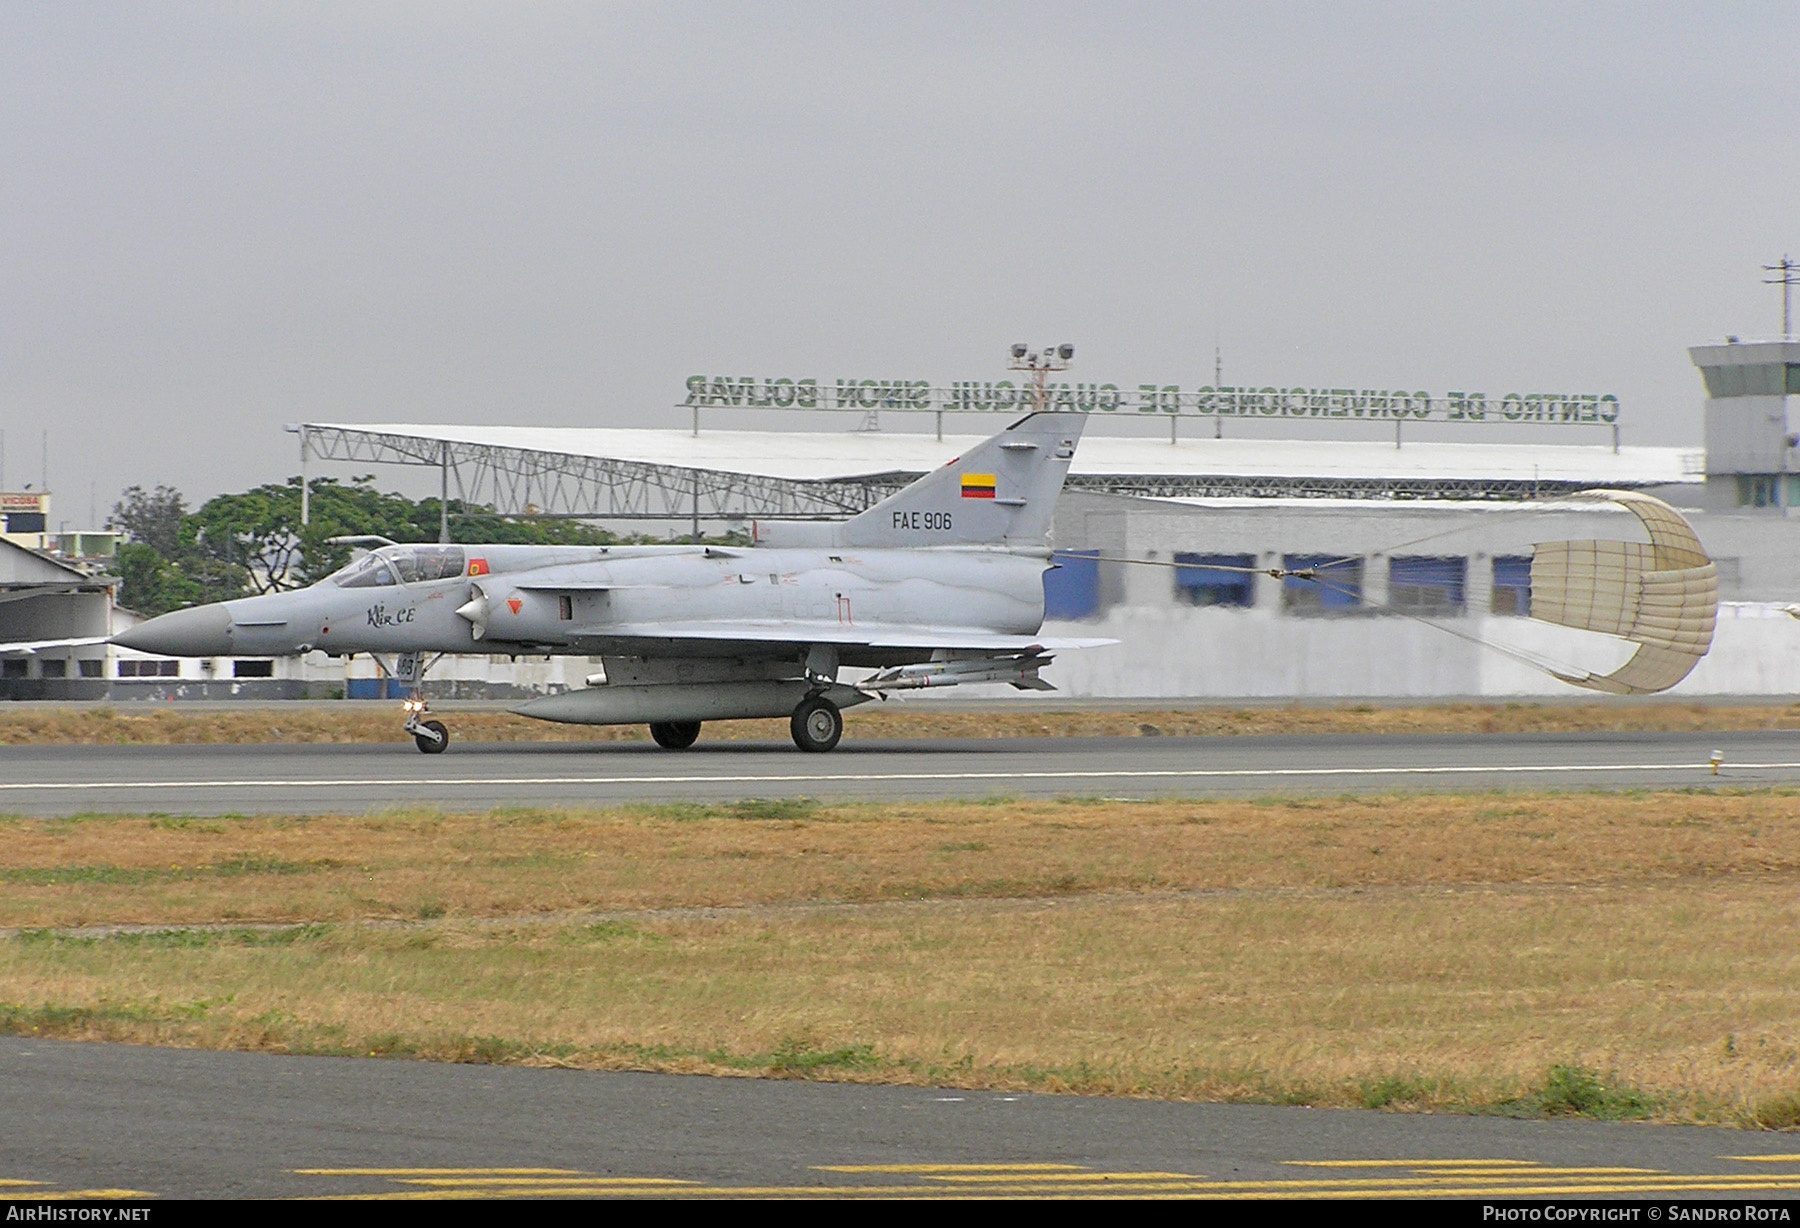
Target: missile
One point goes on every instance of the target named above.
(1021, 672)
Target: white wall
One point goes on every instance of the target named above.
(1176, 652)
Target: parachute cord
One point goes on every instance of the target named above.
(1529, 507)
(1278, 573)
(1553, 668)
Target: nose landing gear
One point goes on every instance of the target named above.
(430, 735)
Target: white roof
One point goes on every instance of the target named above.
(826, 455)
(1459, 507)
(19, 565)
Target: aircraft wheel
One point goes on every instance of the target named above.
(817, 725)
(429, 746)
(675, 735)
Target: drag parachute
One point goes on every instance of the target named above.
(1662, 595)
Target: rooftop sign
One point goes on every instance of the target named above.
(1206, 401)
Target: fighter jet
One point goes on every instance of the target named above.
(938, 585)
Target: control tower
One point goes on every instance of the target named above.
(1752, 420)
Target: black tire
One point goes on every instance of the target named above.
(817, 725)
(427, 745)
(675, 735)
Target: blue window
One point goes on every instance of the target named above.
(1072, 589)
(1512, 585)
(1771, 379)
(1337, 590)
(1427, 585)
(1201, 580)
(375, 688)
(1759, 490)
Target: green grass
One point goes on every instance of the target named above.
(1576, 1091)
(772, 808)
(183, 937)
(48, 876)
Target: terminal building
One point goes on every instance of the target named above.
(1165, 543)
(1427, 543)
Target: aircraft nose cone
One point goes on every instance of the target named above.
(199, 632)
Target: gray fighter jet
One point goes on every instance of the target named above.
(938, 585)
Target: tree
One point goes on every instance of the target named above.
(152, 584)
(261, 528)
(152, 519)
(254, 542)
(158, 564)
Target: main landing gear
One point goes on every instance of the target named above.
(430, 735)
(817, 725)
(675, 735)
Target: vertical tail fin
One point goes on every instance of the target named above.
(1002, 491)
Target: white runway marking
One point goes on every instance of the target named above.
(879, 777)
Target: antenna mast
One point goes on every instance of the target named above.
(1218, 382)
(1786, 279)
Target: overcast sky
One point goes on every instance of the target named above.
(217, 220)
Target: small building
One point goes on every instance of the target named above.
(90, 549)
(25, 518)
(1752, 424)
(42, 601)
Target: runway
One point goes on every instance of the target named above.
(193, 1124)
(302, 779)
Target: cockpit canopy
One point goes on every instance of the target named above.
(401, 565)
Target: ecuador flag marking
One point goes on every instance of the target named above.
(978, 486)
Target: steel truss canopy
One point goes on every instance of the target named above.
(639, 474)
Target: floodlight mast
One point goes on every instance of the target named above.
(1040, 365)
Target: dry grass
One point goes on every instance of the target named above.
(404, 864)
(1423, 1000)
(1422, 952)
(147, 724)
